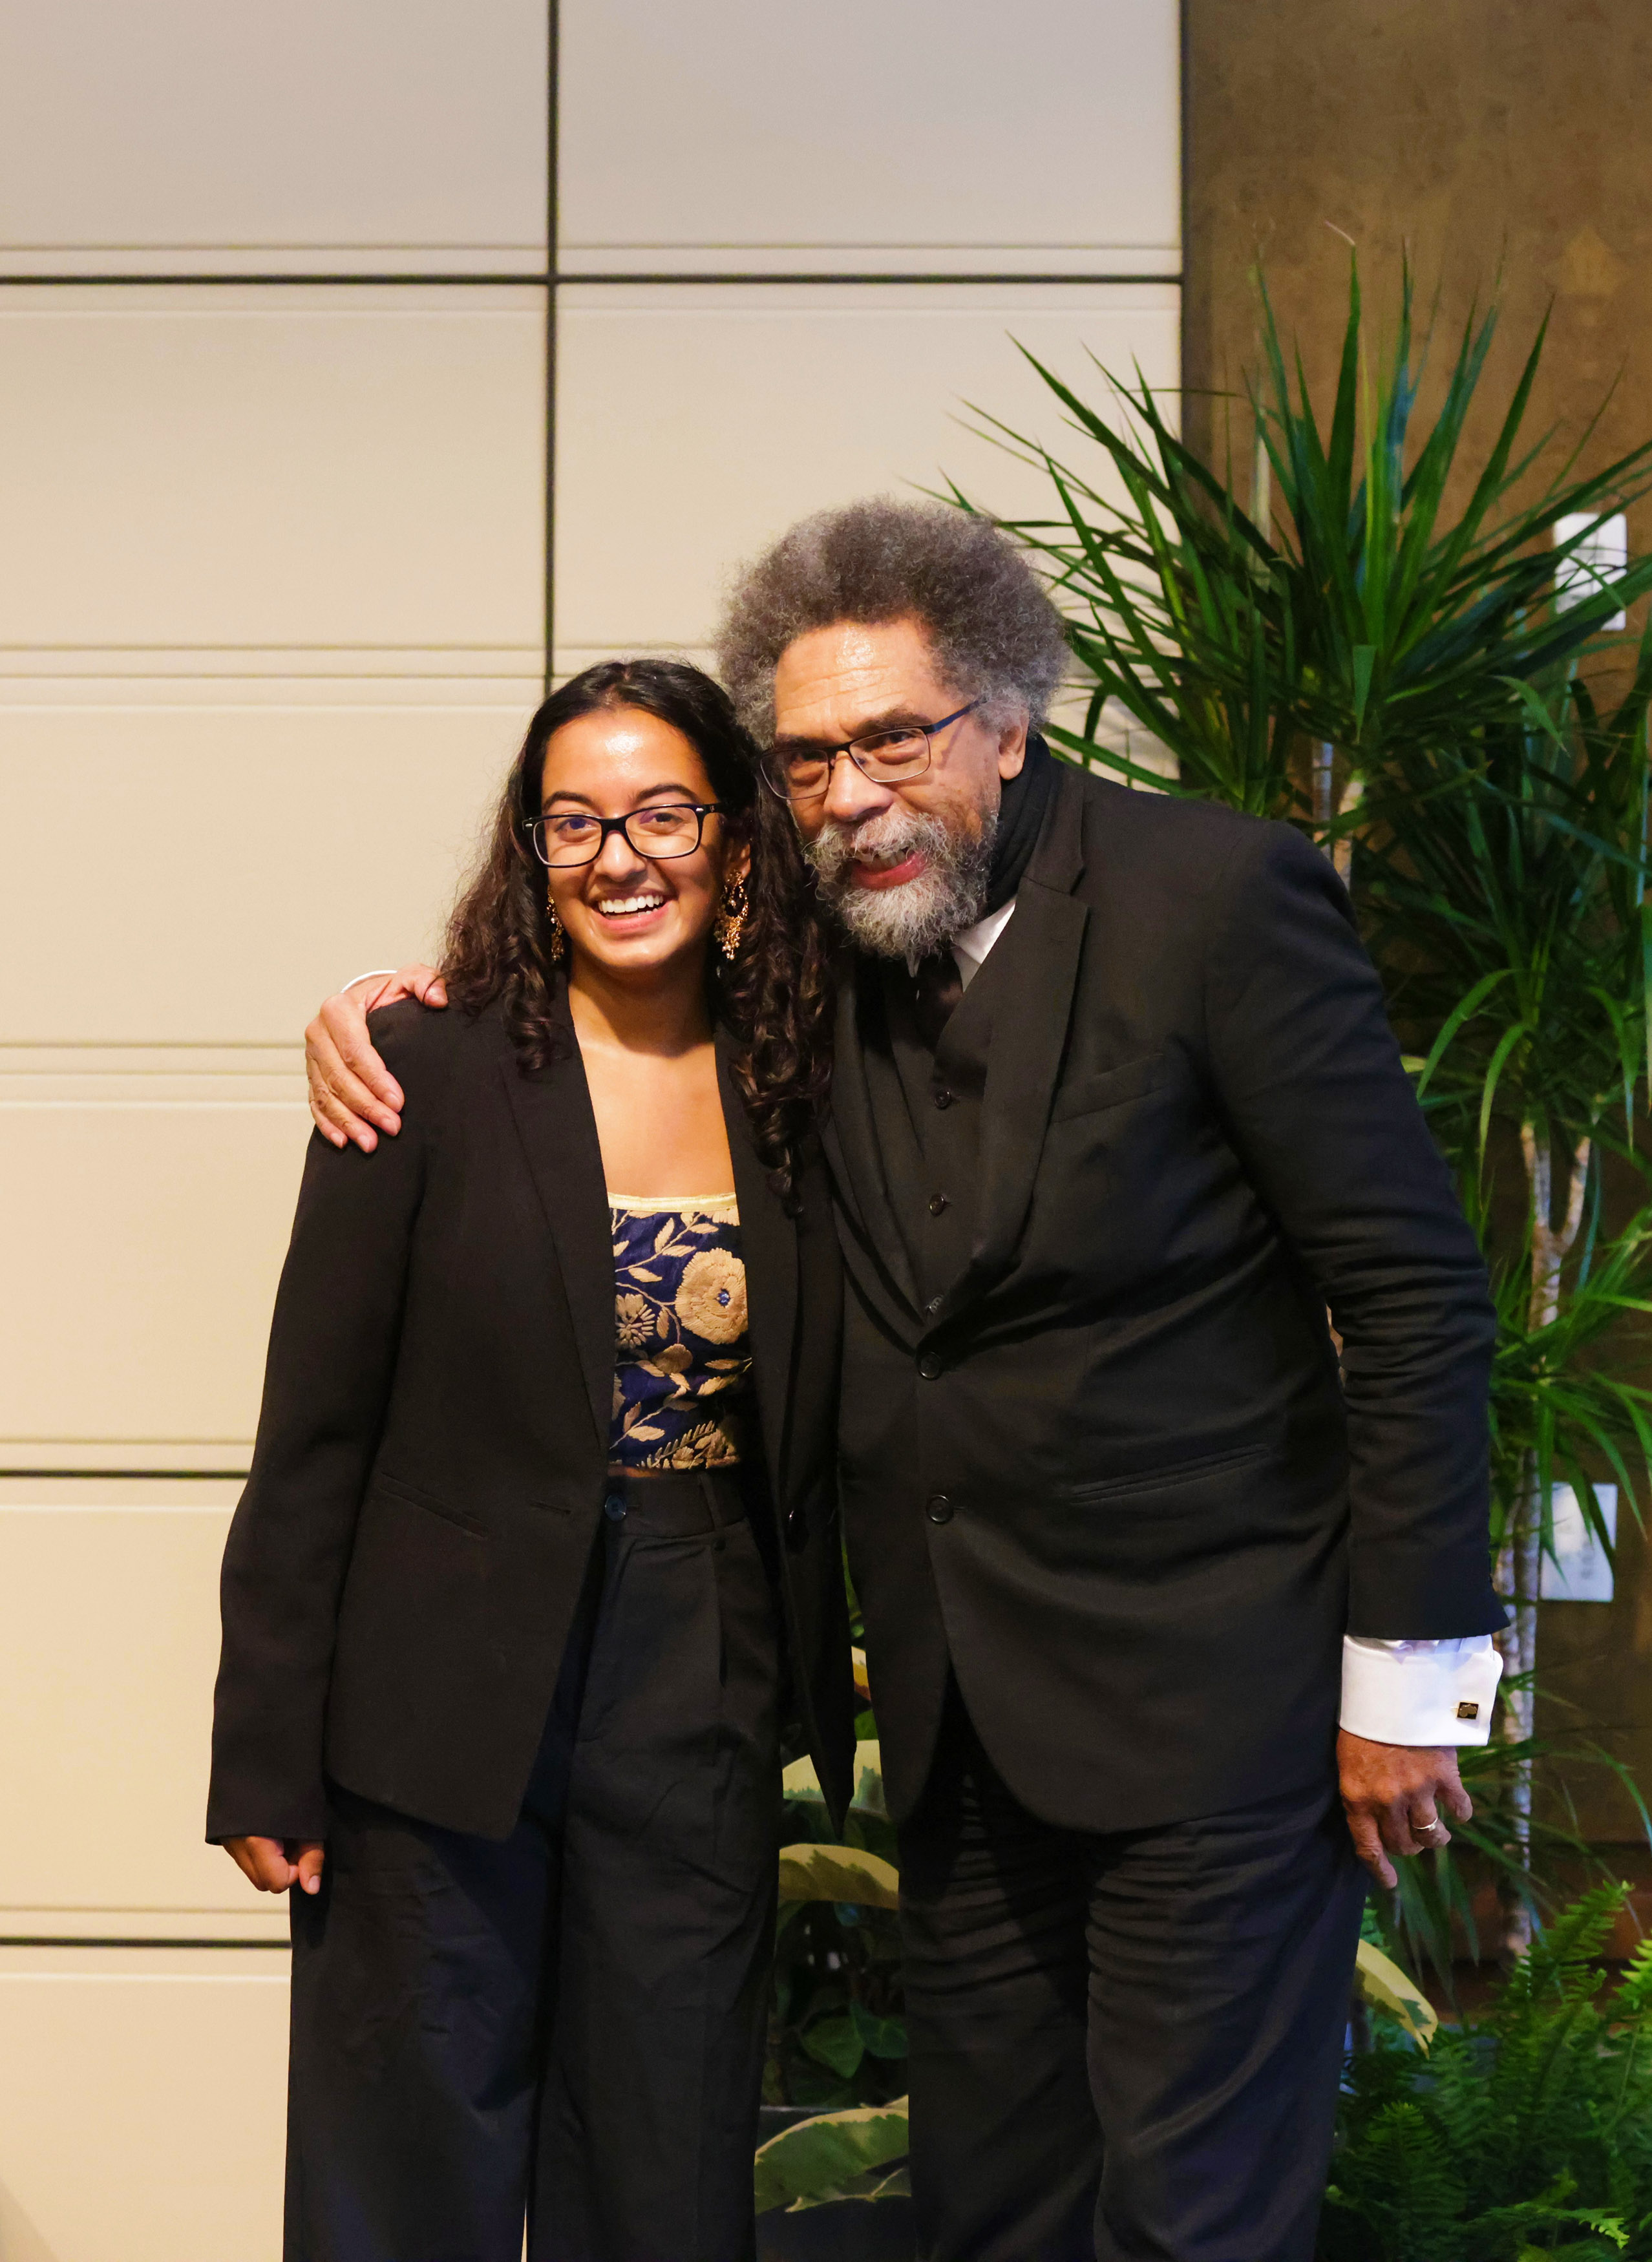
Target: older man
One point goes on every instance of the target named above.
(1116, 1116)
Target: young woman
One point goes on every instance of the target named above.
(538, 1554)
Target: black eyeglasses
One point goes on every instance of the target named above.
(664, 829)
(886, 757)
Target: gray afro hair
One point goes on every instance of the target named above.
(996, 637)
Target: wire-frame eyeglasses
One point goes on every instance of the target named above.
(804, 773)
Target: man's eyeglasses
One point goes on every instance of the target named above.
(664, 829)
(886, 757)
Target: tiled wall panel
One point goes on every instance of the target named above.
(143, 1226)
(198, 863)
(915, 138)
(185, 135)
(108, 1649)
(697, 421)
(142, 2106)
(199, 468)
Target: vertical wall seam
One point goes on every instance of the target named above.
(551, 225)
(1184, 44)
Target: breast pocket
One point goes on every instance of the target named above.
(1108, 1087)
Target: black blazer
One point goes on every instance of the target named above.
(1111, 1474)
(431, 1457)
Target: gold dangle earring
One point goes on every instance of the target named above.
(557, 939)
(731, 921)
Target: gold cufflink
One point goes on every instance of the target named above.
(1468, 1711)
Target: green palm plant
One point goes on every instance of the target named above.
(1398, 678)
(1502, 882)
(1345, 609)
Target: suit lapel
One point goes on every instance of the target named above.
(552, 1110)
(1035, 965)
(769, 1244)
(850, 1135)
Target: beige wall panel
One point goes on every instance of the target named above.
(141, 1239)
(870, 138)
(142, 2110)
(291, 468)
(696, 422)
(196, 135)
(255, 853)
(108, 1649)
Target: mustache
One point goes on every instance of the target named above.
(891, 836)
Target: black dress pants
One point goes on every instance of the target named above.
(569, 2025)
(1123, 2046)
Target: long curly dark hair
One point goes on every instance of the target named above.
(774, 997)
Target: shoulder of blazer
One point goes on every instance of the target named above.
(431, 1050)
(1137, 837)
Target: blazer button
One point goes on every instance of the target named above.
(943, 1098)
(939, 1509)
(937, 1203)
(929, 1365)
(613, 1507)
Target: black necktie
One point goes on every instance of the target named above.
(938, 985)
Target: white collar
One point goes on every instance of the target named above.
(971, 948)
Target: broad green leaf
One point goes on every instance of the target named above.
(837, 1873)
(800, 1781)
(883, 2037)
(815, 2158)
(1380, 1981)
(834, 2042)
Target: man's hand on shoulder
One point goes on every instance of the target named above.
(1392, 1795)
(352, 1093)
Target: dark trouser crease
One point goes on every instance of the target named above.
(1125, 2047)
(570, 2023)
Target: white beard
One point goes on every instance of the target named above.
(924, 913)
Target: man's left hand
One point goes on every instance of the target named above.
(1392, 1795)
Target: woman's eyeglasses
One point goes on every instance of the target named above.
(804, 773)
(664, 829)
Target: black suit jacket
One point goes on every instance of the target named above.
(431, 1456)
(1110, 1473)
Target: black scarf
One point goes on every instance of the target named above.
(1020, 814)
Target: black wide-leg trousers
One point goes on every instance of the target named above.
(1124, 2048)
(567, 2026)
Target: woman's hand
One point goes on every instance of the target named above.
(273, 1864)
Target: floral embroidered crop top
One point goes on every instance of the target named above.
(683, 1364)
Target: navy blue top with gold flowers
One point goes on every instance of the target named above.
(682, 1362)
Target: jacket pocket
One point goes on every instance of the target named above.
(398, 1489)
(1172, 1476)
(1109, 1087)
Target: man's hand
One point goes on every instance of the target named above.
(273, 1864)
(1393, 1793)
(352, 1093)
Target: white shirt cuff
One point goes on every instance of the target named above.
(373, 974)
(1419, 1692)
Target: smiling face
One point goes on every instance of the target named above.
(905, 866)
(627, 914)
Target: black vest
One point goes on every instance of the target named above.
(927, 1108)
